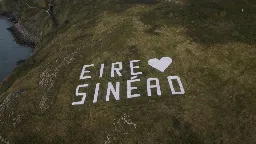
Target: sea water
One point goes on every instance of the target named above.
(10, 51)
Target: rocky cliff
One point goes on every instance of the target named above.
(23, 36)
(213, 51)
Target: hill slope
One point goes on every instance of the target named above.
(212, 46)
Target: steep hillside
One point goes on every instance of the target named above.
(213, 51)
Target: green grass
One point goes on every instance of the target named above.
(213, 50)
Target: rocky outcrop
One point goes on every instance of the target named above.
(23, 36)
(11, 16)
(20, 33)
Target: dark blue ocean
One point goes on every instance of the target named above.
(10, 52)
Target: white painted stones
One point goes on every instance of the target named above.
(113, 88)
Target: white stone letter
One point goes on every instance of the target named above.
(84, 72)
(170, 78)
(149, 86)
(96, 93)
(113, 69)
(80, 94)
(112, 89)
(134, 67)
(130, 88)
(101, 70)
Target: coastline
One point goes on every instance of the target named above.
(21, 36)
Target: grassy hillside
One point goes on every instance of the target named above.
(1, 5)
(213, 48)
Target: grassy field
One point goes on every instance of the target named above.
(213, 48)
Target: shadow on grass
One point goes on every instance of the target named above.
(209, 22)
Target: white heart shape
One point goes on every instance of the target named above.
(161, 64)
